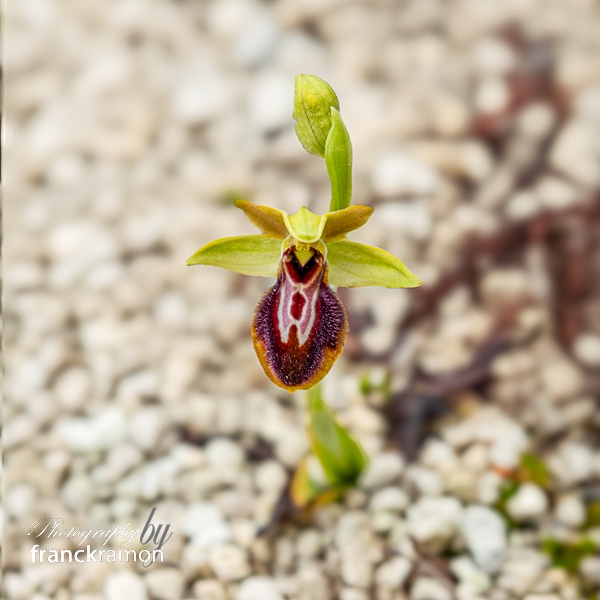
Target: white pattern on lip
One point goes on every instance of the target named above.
(309, 290)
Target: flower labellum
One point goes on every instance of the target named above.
(300, 326)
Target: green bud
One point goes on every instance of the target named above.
(312, 110)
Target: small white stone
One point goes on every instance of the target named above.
(125, 584)
(587, 350)
(200, 99)
(224, 453)
(350, 593)
(20, 500)
(383, 469)
(229, 562)
(270, 476)
(398, 174)
(491, 95)
(72, 388)
(78, 492)
(529, 502)
(356, 570)
(426, 481)
(438, 455)
(570, 510)
(433, 521)
(146, 426)
(93, 434)
(205, 525)
(426, 588)
(393, 573)
(391, 499)
(209, 589)
(484, 531)
(590, 569)
(270, 100)
(258, 588)
(165, 584)
(572, 463)
(473, 581)
(309, 543)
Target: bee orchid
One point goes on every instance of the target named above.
(300, 326)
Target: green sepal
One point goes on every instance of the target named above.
(246, 254)
(358, 265)
(341, 457)
(338, 158)
(304, 225)
(269, 220)
(341, 222)
(313, 100)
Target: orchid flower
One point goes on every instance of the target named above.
(300, 325)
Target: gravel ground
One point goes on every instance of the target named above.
(131, 379)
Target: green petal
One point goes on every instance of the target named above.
(246, 254)
(305, 226)
(342, 458)
(341, 222)
(269, 220)
(312, 110)
(358, 265)
(338, 158)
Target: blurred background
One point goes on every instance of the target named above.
(131, 381)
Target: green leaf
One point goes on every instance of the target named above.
(340, 222)
(269, 220)
(534, 469)
(246, 254)
(342, 458)
(338, 158)
(312, 110)
(356, 265)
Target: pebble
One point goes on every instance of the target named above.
(93, 434)
(484, 531)
(258, 588)
(270, 476)
(589, 568)
(392, 499)
(209, 589)
(393, 573)
(146, 426)
(432, 521)
(529, 503)
(425, 481)
(229, 562)
(383, 469)
(426, 588)
(125, 584)
(572, 463)
(570, 510)
(205, 525)
(309, 543)
(587, 350)
(397, 174)
(165, 584)
(223, 453)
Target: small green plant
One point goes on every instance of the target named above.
(568, 555)
(300, 326)
(340, 456)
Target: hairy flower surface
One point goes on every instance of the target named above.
(300, 326)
